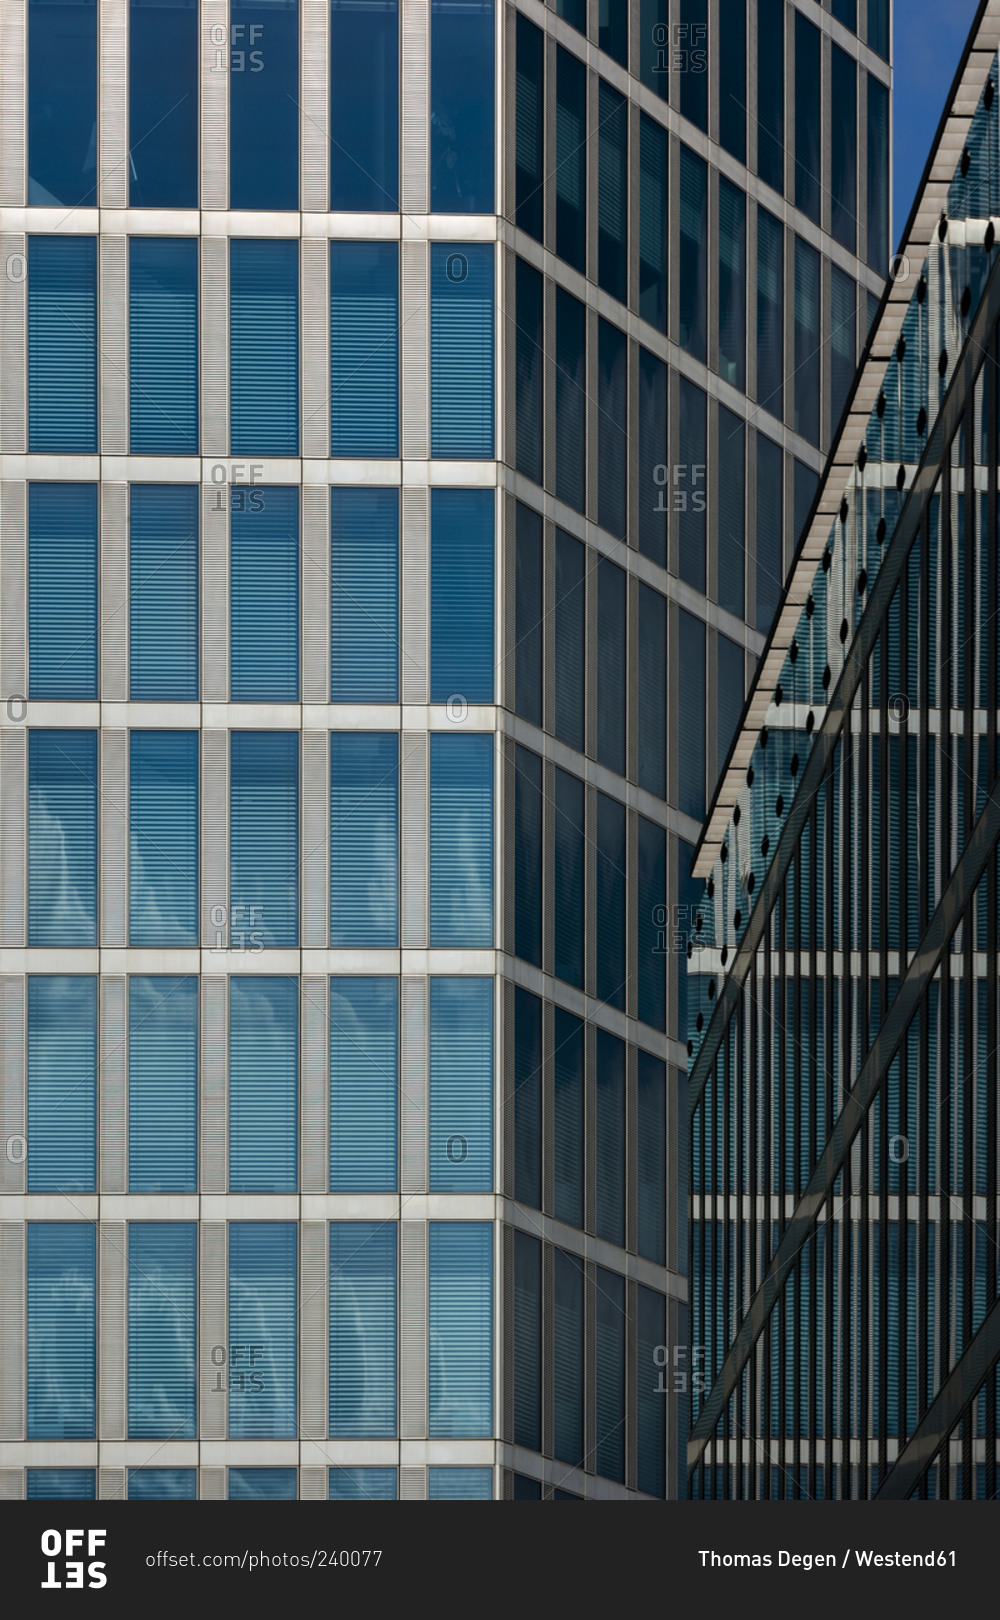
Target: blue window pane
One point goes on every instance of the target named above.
(62, 591)
(771, 92)
(162, 1312)
(461, 349)
(62, 343)
(263, 74)
(529, 339)
(163, 104)
(461, 1085)
(611, 974)
(362, 1329)
(693, 267)
(364, 348)
(362, 1484)
(571, 399)
(733, 77)
(462, 595)
(263, 1485)
(878, 174)
(612, 428)
(570, 624)
(527, 1341)
(612, 674)
(163, 593)
(264, 595)
(653, 458)
(610, 1374)
(162, 1085)
(462, 74)
(263, 1315)
(527, 855)
(689, 899)
(364, 591)
(62, 837)
(652, 222)
(460, 1484)
(65, 1484)
(529, 614)
(62, 102)
(807, 116)
(732, 283)
(163, 345)
(651, 1086)
(364, 838)
(570, 839)
(846, 11)
(62, 1083)
(364, 1084)
(878, 27)
(460, 1323)
(770, 525)
(651, 851)
(527, 1099)
(530, 137)
(567, 1357)
(461, 840)
(689, 496)
(770, 312)
(610, 1137)
(653, 66)
(612, 29)
(691, 750)
(691, 61)
(843, 341)
(575, 13)
(264, 835)
(568, 1113)
(364, 106)
(652, 695)
(162, 1484)
(264, 347)
(263, 1084)
(844, 147)
(651, 1337)
(163, 838)
(612, 189)
(62, 1330)
(571, 159)
(729, 659)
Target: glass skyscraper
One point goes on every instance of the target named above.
(408, 410)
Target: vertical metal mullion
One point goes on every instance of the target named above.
(864, 1000)
(830, 945)
(727, 1254)
(944, 1098)
(992, 920)
(968, 1079)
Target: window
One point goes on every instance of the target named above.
(461, 840)
(843, 147)
(571, 160)
(653, 463)
(732, 283)
(460, 1484)
(527, 1341)
(162, 1085)
(807, 115)
(843, 323)
(62, 341)
(263, 1484)
(263, 1313)
(570, 618)
(807, 342)
(689, 493)
(263, 74)
(364, 1084)
(62, 837)
(462, 595)
(651, 1160)
(162, 1311)
(878, 27)
(575, 13)
(612, 34)
(163, 345)
(651, 851)
(770, 312)
(771, 93)
(527, 856)
(691, 717)
(362, 1329)
(264, 595)
(62, 1332)
(461, 1085)
(730, 507)
(62, 102)
(364, 838)
(63, 1484)
(689, 898)
(460, 1322)
(693, 253)
(362, 1484)
(610, 1374)
(163, 593)
(264, 834)
(461, 72)
(528, 615)
(654, 46)
(364, 349)
(612, 671)
(806, 485)
(568, 1115)
(263, 1084)
(567, 1357)
(612, 428)
(163, 105)
(364, 106)
(878, 174)
(163, 838)
(569, 835)
(733, 77)
(611, 974)
(652, 691)
(571, 399)
(162, 1484)
(651, 1312)
(612, 187)
(610, 1121)
(729, 695)
(264, 346)
(691, 60)
(462, 350)
(770, 527)
(364, 595)
(652, 222)
(846, 12)
(530, 139)
(62, 1083)
(527, 1098)
(62, 591)
(529, 354)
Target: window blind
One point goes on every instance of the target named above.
(807, 344)
(62, 1083)
(651, 886)
(460, 1323)
(364, 838)
(364, 595)
(807, 117)
(462, 349)
(263, 1485)
(570, 618)
(163, 836)
(689, 497)
(66, 1484)
(459, 1484)
(610, 1137)
(62, 343)
(731, 509)
(262, 1325)
(529, 294)
(732, 283)
(162, 1317)
(571, 399)
(264, 834)
(691, 753)
(693, 252)
(568, 1108)
(527, 855)
(611, 821)
(263, 1084)
(652, 222)
(62, 1330)
(461, 840)
(364, 348)
(843, 147)
(264, 346)
(62, 591)
(530, 134)
(462, 567)
(770, 319)
(569, 836)
(364, 1084)
(653, 457)
(612, 191)
(529, 615)
(362, 1329)
(612, 421)
(770, 526)
(652, 691)
(612, 634)
(461, 1085)
(264, 596)
(362, 1484)
(610, 1374)
(651, 1085)
(163, 345)
(163, 593)
(527, 1341)
(162, 1484)
(571, 169)
(567, 1357)
(62, 837)
(651, 1313)
(527, 1098)
(162, 1084)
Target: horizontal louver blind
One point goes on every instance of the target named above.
(652, 908)
(461, 1078)
(262, 1321)
(364, 838)
(691, 717)
(610, 901)
(568, 1118)
(263, 1084)
(65, 1484)
(462, 595)
(264, 586)
(610, 1137)
(652, 1333)
(612, 632)
(163, 827)
(62, 343)
(163, 593)
(263, 1485)
(462, 349)
(364, 348)
(62, 1083)
(364, 595)
(62, 838)
(362, 1329)
(569, 867)
(610, 1379)
(163, 1085)
(162, 1316)
(652, 197)
(163, 345)
(567, 1357)
(264, 834)
(652, 1157)
(459, 1484)
(364, 1084)
(62, 591)
(162, 1484)
(461, 840)
(460, 1322)
(264, 347)
(62, 1330)
(362, 1484)
(570, 618)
